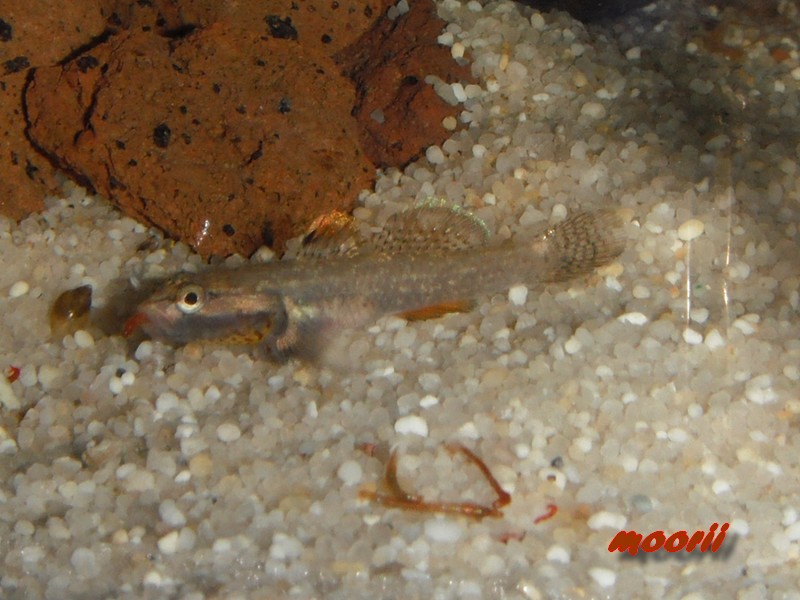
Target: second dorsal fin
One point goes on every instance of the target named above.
(430, 227)
(433, 226)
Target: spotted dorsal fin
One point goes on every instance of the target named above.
(433, 226)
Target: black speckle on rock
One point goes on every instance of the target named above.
(86, 63)
(132, 163)
(30, 170)
(120, 144)
(6, 31)
(179, 32)
(410, 80)
(217, 88)
(228, 229)
(182, 108)
(241, 109)
(256, 153)
(326, 39)
(334, 5)
(16, 64)
(267, 234)
(281, 28)
(284, 106)
(115, 20)
(161, 135)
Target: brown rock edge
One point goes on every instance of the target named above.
(228, 125)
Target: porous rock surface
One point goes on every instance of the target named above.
(230, 126)
(32, 33)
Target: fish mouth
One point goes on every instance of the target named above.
(133, 323)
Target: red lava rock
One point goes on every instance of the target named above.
(230, 125)
(389, 65)
(27, 175)
(325, 26)
(32, 34)
(215, 137)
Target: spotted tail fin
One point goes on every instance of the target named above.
(582, 243)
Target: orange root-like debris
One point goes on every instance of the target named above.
(399, 498)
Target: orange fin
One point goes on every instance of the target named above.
(331, 234)
(437, 310)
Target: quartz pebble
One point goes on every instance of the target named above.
(691, 229)
(518, 295)
(285, 547)
(443, 530)
(228, 432)
(606, 519)
(634, 318)
(572, 345)
(434, 155)
(8, 398)
(558, 554)
(83, 339)
(20, 288)
(604, 577)
(168, 544)
(690, 336)
(350, 472)
(411, 424)
(594, 110)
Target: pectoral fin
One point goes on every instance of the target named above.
(305, 335)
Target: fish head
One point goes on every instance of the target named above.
(197, 307)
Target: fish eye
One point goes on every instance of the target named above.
(190, 299)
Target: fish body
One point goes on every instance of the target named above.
(428, 260)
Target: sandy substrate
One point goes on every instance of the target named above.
(657, 394)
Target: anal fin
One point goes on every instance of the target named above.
(437, 310)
